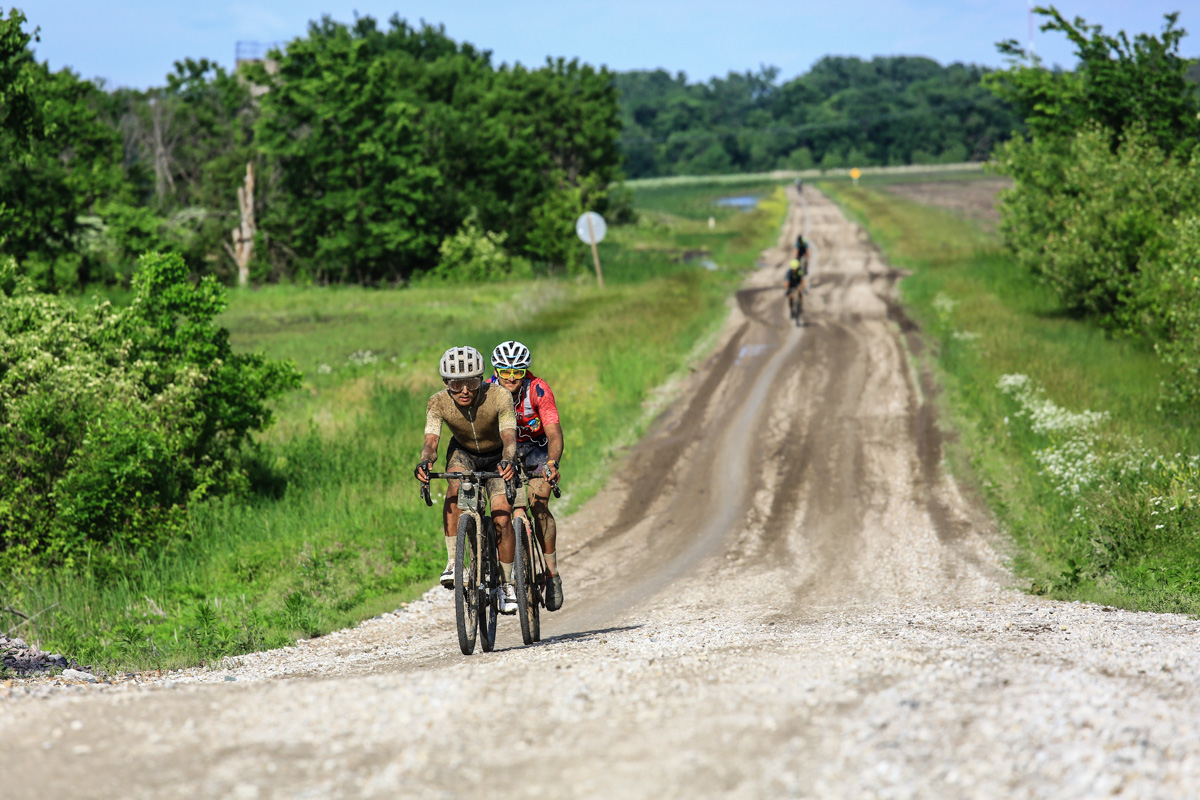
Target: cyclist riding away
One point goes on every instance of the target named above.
(802, 252)
(795, 283)
(483, 430)
(539, 446)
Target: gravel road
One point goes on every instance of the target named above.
(780, 594)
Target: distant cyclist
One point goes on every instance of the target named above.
(802, 252)
(795, 284)
(539, 446)
(483, 430)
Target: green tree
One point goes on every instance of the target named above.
(50, 187)
(383, 141)
(1117, 83)
(20, 116)
(884, 109)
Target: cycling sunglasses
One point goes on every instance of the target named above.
(511, 374)
(457, 385)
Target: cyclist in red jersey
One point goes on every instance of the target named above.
(539, 446)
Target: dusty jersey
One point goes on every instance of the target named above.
(477, 427)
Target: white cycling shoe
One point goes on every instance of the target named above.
(447, 578)
(508, 599)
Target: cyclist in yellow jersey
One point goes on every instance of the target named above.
(483, 429)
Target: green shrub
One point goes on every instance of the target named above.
(113, 420)
(472, 255)
(1171, 308)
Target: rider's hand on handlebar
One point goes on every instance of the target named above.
(550, 470)
(505, 468)
(422, 471)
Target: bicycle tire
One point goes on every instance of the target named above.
(539, 572)
(523, 581)
(489, 607)
(466, 583)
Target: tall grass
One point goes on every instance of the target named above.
(334, 531)
(1058, 420)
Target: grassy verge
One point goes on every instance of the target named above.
(1058, 420)
(334, 531)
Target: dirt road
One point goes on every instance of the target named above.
(780, 594)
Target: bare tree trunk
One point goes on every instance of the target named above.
(161, 120)
(243, 234)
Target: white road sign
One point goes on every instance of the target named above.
(599, 228)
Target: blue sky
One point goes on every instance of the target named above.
(135, 42)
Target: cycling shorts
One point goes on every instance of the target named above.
(532, 457)
(459, 456)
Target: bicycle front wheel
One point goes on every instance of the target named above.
(466, 584)
(527, 607)
(489, 605)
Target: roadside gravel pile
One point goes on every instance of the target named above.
(22, 658)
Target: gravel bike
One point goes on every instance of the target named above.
(795, 295)
(795, 300)
(477, 576)
(529, 567)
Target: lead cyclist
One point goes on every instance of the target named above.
(539, 447)
(483, 438)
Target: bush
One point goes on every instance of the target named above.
(472, 255)
(1171, 307)
(113, 420)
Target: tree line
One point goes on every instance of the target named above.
(358, 151)
(844, 111)
(1104, 207)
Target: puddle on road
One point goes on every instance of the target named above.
(743, 202)
(752, 351)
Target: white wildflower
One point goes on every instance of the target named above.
(362, 358)
(944, 305)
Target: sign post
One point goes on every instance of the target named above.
(590, 227)
(855, 174)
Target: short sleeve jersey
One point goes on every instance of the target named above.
(477, 427)
(535, 407)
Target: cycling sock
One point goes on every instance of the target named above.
(507, 570)
(552, 562)
(451, 546)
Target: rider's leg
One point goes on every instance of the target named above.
(506, 549)
(546, 524)
(450, 510)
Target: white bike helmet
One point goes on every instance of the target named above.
(511, 355)
(461, 362)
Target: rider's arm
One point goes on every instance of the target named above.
(433, 434)
(507, 424)
(547, 410)
(508, 438)
(554, 446)
(429, 451)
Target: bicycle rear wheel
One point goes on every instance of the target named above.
(523, 580)
(466, 584)
(490, 572)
